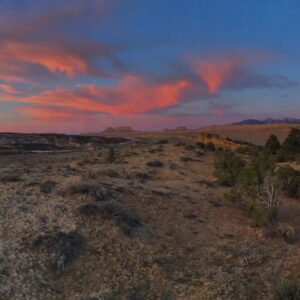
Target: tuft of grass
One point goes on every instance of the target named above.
(190, 147)
(262, 216)
(162, 141)
(210, 146)
(10, 178)
(86, 188)
(287, 232)
(287, 290)
(110, 173)
(143, 177)
(111, 211)
(155, 164)
(63, 248)
(47, 186)
(111, 156)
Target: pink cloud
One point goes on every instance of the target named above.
(9, 89)
(216, 72)
(131, 96)
(49, 56)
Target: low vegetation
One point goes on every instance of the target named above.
(290, 179)
(61, 248)
(210, 146)
(155, 164)
(287, 290)
(10, 178)
(111, 211)
(89, 189)
(255, 179)
(47, 186)
(290, 148)
(111, 156)
(148, 220)
(228, 167)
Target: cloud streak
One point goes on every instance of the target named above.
(41, 41)
(132, 96)
(231, 73)
(51, 57)
(215, 73)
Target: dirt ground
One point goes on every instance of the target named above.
(153, 224)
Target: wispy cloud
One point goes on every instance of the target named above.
(42, 37)
(131, 96)
(232, 72)
(216, 72)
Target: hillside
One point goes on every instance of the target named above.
(151, 225)
(257, 134)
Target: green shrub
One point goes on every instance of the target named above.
(287, 232)
(233, 196)
(252, 185)
(47, 186)
(262, 216)
(291, 146)
(294, 187)
(228, 167)
(283, 155)
(155, 164)
(253, 175)
(272, 145)
(201, 145)
(162, 141)
(111, 155)
(243, 150)
(10, 178)
(287, 290)
(210, 146)
(290, 179)
(61, 248)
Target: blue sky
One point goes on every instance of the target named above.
(75, 65)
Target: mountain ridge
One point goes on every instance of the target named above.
(268, 121)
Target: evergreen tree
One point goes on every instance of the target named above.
(272, 145)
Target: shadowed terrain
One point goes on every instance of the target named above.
(146, 220)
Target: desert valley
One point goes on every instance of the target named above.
(139, 216)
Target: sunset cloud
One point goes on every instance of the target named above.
(66, 61)
(38, 40)
(131, 96)
(231, 73)
(216, 72)
(51, 57)
(9, 89)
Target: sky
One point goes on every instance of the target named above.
(78, 66)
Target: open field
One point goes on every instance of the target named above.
(257, 134)
(151, 224)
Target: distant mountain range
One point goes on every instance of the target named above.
(268, 121)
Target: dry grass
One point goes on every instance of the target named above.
(156, 233)
(256, 134)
